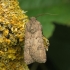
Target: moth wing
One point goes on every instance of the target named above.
(37, 50)
(27, 57)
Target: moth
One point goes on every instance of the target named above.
(34, 50)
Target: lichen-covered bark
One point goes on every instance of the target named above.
(12, 27)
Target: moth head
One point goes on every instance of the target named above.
(32, 25)
(33, 18)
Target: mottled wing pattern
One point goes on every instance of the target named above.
(34, 50)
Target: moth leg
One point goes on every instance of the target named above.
(46, 42)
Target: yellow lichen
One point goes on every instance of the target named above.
(46, 43)
(12, 27)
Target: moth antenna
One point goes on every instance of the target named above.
(44, 14)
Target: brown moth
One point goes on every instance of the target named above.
(34, 50)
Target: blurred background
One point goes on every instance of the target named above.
(56, 27)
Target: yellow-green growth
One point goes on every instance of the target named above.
(12, 27)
